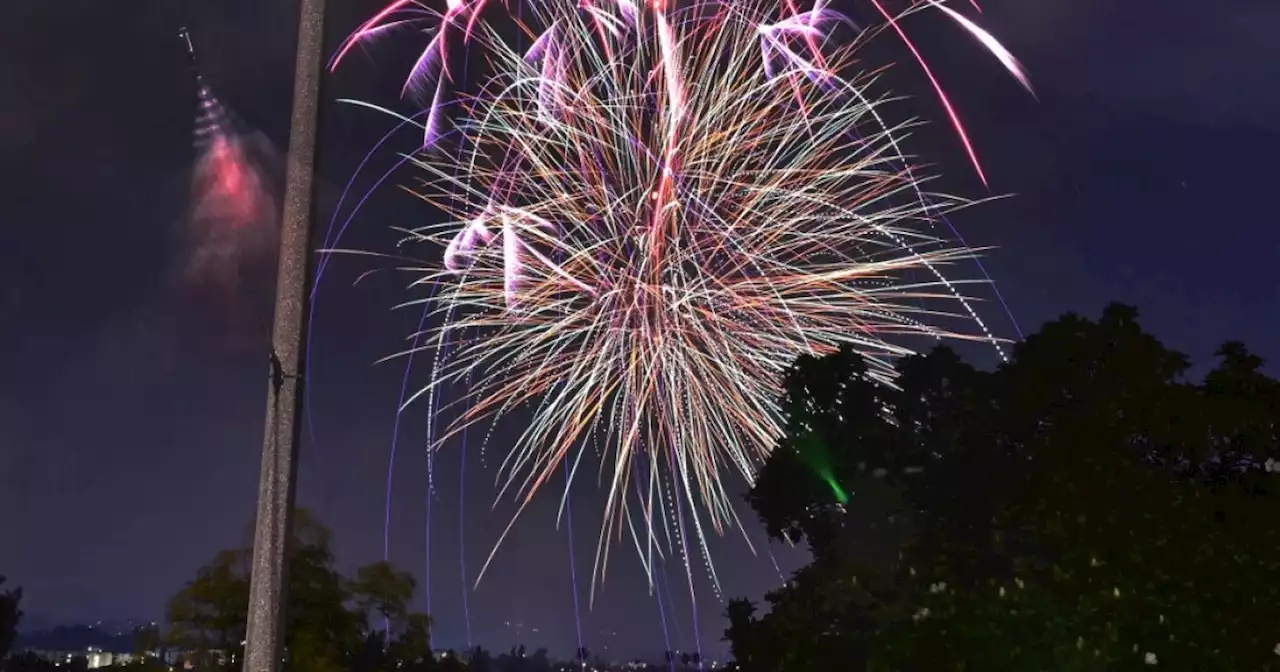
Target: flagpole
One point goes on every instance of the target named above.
(277, 486)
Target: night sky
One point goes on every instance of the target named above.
(129, 435)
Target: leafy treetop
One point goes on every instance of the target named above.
(1083, 506)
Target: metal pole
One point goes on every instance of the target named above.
(264, 649)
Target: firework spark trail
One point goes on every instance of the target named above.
(684, 549)
(232, 192)
(692, 174)
(462, 500)
(666, 635)
(659, 587)
(462, 17)
(651, 574)
(462, 533)
(232, 226)
(1007, 59)
(573, 558)
(986, 39)
(333, 233)
(391, 458)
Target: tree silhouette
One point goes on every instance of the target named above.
(383, 590)
(10, 617)
(1083, 504)
(450, 662)
(328, 620)
(480, 660)
(207, 617)
(149, 650)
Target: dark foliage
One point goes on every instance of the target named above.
(10, 616)
(334, 624)
(516, 659)
(1082, 507)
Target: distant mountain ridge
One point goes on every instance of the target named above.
(36, 622)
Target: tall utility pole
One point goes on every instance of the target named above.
(277, 485)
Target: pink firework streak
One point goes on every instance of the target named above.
(430, 71)
(230, 191)
(232, 228)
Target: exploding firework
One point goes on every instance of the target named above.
(656, 211)
(461, 19)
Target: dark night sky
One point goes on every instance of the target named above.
(128, 444)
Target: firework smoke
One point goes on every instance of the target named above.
(232, 227)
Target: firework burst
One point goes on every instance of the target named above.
(656, 211)
(461, 18)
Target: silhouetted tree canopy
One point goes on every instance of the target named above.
(1083, 506)
(10, 616)
(334, 624)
